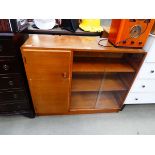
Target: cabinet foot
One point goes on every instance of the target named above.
(122, 107)
(29, 115)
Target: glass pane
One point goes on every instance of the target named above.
(85, 89)
(112, 91)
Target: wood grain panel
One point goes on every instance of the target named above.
(48, 74)
(76, 43)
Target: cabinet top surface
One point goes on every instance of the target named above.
(77, 43)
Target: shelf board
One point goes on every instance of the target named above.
(101, 66)
(107, 82)
(86, 82)
(85, 100)
(90, 101)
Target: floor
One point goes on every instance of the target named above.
(134, 119)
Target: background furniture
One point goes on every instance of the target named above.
(32, 29)
(73, 74)
(143, 88)
(14, 92)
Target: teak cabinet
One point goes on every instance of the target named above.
(72, 74)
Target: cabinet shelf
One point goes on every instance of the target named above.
(107, 82)
(93, 101)
(100, 66)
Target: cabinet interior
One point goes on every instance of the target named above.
(101, 81)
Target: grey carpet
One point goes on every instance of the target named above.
(134, 119)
